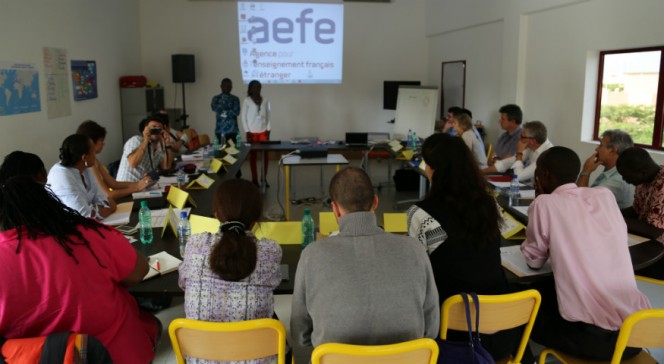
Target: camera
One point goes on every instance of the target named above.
(155, 131)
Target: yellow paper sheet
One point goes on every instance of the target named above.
(202, 224)
(177, 197)
(172, 220)
(395, 222)
(328, 223)
(511, 228)
(406, 154)
(202, 182)
(229, 159)
(283, 232)
(215, 165)
(232, 150)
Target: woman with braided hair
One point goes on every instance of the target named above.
(60, 271)
(229, 276)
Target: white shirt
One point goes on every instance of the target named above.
(67, 184)
(475, 146)
(525, 168)
(255, 119)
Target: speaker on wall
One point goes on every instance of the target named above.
(183, 68)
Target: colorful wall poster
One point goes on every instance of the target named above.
(84, 79)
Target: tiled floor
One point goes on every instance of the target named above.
(306, 187)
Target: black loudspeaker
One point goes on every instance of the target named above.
(183, 68)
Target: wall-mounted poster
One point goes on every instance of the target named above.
(57, 87)
(84, 79)
(19, 88)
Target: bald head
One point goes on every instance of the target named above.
(352, 190)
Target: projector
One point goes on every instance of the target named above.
(313, 152)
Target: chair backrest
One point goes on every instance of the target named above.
(419, 351)
(642, 329)
(395, 222)
(327, 223)
(228, 341)
(497, 313)
(489, 149)
(283, 232)
(203, 139)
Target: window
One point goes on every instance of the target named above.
(630, 95)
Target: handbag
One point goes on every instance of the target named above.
(462, 352)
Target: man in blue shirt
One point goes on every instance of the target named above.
(227, 109)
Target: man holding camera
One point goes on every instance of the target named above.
(147, 153)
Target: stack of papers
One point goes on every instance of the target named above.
(120, 216)
(162, 263)
(511, 228)
(513, 259)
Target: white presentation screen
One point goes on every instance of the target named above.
(291, 42)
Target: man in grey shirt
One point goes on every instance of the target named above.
(510, 120)
(362, 286)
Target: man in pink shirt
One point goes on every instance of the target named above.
(583, 233)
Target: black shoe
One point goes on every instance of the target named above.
(256, 184)
(267, 184)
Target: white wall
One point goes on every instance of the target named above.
(381, 42)
(539, 54)
(104, 31)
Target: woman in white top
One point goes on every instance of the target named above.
(463, 125)
(256, 123)
(73, 181)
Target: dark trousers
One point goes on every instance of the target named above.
(573, 338)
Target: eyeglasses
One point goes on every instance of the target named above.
(526, 137)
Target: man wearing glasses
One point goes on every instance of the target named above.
(532, 143)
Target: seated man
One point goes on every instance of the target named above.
(363, 285)
(612, 144)
(533, 143)
(145, 153)
(510, 121)
(593, 288)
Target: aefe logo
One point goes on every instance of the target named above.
(283, 29)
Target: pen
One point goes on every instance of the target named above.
(156, 264)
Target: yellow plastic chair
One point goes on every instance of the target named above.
(642, 329)
(283, 232)
(328, 223)
(420, 351)
(489, 149)
(395, 222)
(497, 313)
(228, 341)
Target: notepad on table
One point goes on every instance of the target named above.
(513, 259)
(162, 263)
(120, 216)
(203, 181)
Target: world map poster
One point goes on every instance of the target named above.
(19, 88)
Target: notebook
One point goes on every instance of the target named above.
(357, 139)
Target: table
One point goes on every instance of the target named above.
(167, 285)
(642, 255)
(296, 160)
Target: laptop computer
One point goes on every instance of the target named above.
(357, 139)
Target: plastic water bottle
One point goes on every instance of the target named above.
(184, 231)
(238, 140)
(145, 223)
(181, 177)
(308, 235)
(409, 139)
(514, 191)
(215, 149)
(414, 141)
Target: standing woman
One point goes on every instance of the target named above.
(463, 125)
(73, 180)
(60, 271)
(458, 223)
(256, 122)
(230, 276)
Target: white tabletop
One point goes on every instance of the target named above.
(330, 159)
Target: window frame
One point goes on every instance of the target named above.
(658, 123)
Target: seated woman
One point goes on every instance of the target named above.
(229, 276)
(463, 125)
(458, 223)
(62, 272)
(114, 189)
(73, 181)
(19, 163)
